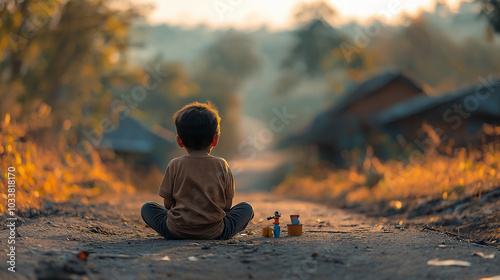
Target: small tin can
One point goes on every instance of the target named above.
(295, 219)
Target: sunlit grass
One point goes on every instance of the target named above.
(433, 175)
(42, 174)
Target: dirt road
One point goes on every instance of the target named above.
(335, 245)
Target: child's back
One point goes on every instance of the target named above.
(202, 187)
(197, 189)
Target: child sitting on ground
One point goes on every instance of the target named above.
(197, 188)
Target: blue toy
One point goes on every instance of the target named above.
(276, 223)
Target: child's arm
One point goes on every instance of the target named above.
(229, 203)
(229, 190)
(168, 203)
(166, 187)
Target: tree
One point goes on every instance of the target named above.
(491, 10)
(63, 54)
(315, 39)
(307, 12)
(170, 95)
(220, 73)
(320, 47)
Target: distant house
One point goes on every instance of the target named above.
(345, 125)
(388, 111)
(376, 94)
(457, 116)
(136, 143)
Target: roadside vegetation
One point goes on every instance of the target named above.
(450, 175)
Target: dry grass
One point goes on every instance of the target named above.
(431, 175)
(42, 173)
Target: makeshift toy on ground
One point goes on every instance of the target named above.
(295, 228)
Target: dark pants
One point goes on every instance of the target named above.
(236, 219)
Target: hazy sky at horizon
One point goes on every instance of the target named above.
(276, 14)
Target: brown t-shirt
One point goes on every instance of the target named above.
(199, 185)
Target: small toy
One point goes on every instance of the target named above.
(267, 231)
(276, 223)
(295, 228)
(295, 219)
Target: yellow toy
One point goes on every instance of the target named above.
(267, 231)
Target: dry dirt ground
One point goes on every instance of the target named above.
(335, 245)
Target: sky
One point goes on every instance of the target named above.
(276, 14)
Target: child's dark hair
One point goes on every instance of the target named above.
(197, 124)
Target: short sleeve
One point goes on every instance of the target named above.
(166, 186)
(229, 184)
